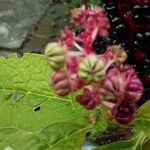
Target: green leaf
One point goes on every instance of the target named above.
(143, 118)
(100, 126)
(74, 3)
(95, 2)
(133, 144)
(32, 117)
(146, 145)
(77, 3)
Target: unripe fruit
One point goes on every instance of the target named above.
(119, 52)
(91, 69)
(60, 82)
(88, 99)
(134, 89)
(55, 55)
(120, 85)
(113, 86)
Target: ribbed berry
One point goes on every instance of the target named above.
(88, 99)
(60, 82)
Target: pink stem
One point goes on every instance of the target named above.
(94, 33)
(109, 64)
(107, 104)
(78, 46)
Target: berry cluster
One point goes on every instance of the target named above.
(122, 87)
(130, 27)
(106, 79)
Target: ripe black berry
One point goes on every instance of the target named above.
(120, 29)
(142, 41)
(142, 19)
(140, 10)
(110, 7)
(115, 21)
(99, 45)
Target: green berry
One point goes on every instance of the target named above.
(55, 55)
(91, 69)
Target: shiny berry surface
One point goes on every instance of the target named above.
(99, 45)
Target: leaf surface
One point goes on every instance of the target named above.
(143, 118)
(32, 116)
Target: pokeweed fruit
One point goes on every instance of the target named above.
(60, 82)
(91, 69)
(120, 84)
(76, 83)
(134, 87)
(121, 55)
(113, 86)
(115, 52)
(104, 78)
(93, 22)
(123, 88)
(55, 55)
(99, 45)
(88, 99)
(130, 27)
(124, 112)
(128, 71)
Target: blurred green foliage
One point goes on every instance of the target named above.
(77, 3)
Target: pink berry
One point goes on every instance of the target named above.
(60, 82)
(88, 99)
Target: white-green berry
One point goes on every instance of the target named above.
(55, 55)
(91, 69)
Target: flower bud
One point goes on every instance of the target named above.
(91, 69)
(55, 55)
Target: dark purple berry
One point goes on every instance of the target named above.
(124, 112)
(142, 19)
(110, 7)
(99, 45)
(115, 21)
(141, 10)
(120, 29)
